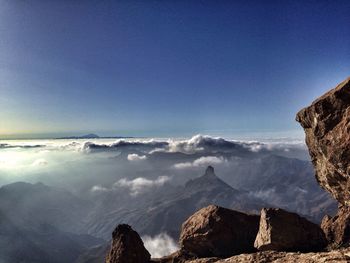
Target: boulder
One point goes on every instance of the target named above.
(214, 231)
(327, 127)
(280, 230)
(127, 247)
(337, 228)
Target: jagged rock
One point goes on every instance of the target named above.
(127, 247)
(176, 257)
(338, 256)
(220, 232)
(327, 127)
(337, 228)
(284, 231)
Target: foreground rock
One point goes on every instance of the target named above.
(127, 247)
(327, 127)
(337, 228)
(284, 231)
(218, 232)
(339, 256)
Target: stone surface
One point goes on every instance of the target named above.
(327, 127)
(337, 228)
(339, 256)
(127, 247)
(284, 231)
(219, 232)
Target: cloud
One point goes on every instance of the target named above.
(99, 188)
(123, 143)
(136, 157)
(136, 186)
(24, 146)
(140, 184)
(201, 162)
(200, 143)
(40, 162)
(160, 245)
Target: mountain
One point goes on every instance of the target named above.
(86, 136)
(38, 224)
(165, 210)
(41, 243)
(288, 183)
(36, 204)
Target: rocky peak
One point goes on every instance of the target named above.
(327, 127)
(208, 181)
(209, 172)
(127, 246)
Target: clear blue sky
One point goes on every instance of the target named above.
(166, 67)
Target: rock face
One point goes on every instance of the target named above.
(327, 127)
(127, 247)
(284, 231)
(218, 232)
(339, 256)
(337, 228)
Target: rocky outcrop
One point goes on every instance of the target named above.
(338, 256)
(127, 247)
(327, 127)
(284, 231)
(337, 228)
(218, 232)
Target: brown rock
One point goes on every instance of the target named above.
(127, 247)
(338, 256)
(337, 228)
(218, 232)
(327, 127)
(284, 231)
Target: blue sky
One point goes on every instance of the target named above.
(166, 68)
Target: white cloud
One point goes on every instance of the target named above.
(201, 162)
(160, 245)
(40, 162)
(99, 188)
(136, 157)
(140, 184)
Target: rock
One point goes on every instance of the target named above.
(214, 231)
(327, 127)
(284, 231)
(127, 247)
(339, 256)
(337, 228)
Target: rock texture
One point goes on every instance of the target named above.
(127, 247)
(327, 127)
(337, 228)
(338, 256)
(284, 231)
(219, 232)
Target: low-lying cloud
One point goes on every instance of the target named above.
(160, 245)
(40, 162)
(135, 186)
(201, 162)
(140, 184)
(136, 157)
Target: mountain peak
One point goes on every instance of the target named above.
(210, 171)
(207, 181)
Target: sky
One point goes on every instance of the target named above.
(166, 68)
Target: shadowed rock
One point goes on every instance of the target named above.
(127, 247)
(337, 228)
(218, 232)
(284, 231)
(327, 127)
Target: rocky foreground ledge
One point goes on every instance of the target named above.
(216, 234)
